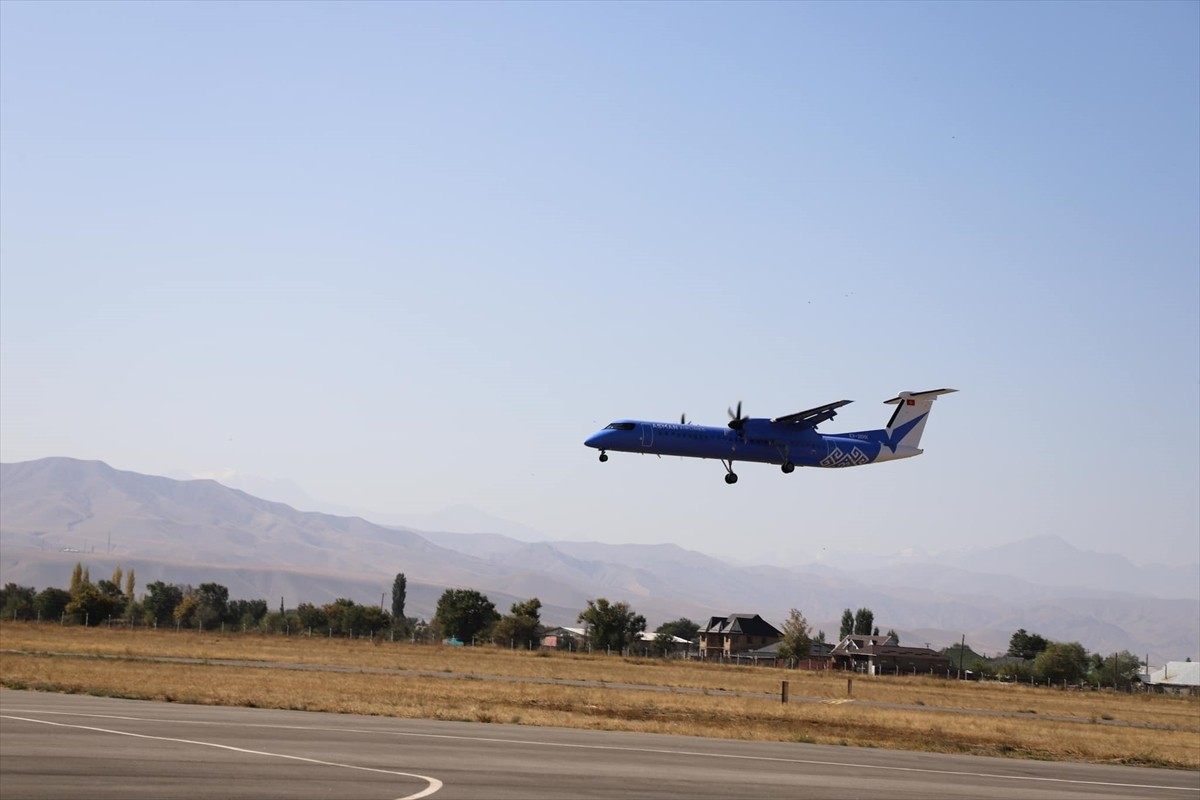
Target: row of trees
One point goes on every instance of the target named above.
(84, 600)
(206, 607)
(462, 614)
(1034, 657)
(861, 623)
(469, 616)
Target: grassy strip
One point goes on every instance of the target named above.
(602, 707)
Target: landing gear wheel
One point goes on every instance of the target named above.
(731, 478)
(603, 457)
(788, 468)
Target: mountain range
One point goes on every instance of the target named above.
(57, 511)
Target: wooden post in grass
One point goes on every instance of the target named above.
(783, 692)
(849, 687)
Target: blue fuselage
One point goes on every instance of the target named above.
(759, 440)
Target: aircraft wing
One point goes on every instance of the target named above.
(813, 416)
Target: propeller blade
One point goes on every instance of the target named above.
(736, 421)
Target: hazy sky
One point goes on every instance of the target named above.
(410, 255)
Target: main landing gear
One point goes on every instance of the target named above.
(730, 475)
(603, 456)
(788, 467)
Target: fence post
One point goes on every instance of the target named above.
(849, 687)
(783, 692)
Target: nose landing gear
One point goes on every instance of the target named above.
(603, 456)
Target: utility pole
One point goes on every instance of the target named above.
(961, 655)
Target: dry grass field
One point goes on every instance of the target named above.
(488, 684)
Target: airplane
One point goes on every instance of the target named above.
(789, 441)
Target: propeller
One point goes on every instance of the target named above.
(736, 420)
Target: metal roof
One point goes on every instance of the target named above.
(1177, 673)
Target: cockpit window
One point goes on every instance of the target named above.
(620, 426)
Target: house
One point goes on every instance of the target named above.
(1177, 676)
(561, 638)
(737, 633)
(647, 643)
(818, 656)
(882, 655)
(564, 638)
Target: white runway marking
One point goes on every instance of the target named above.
(434, 783)
(618, 748)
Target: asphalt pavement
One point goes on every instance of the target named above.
(68, 746)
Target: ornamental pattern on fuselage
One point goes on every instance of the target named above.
(840, 458)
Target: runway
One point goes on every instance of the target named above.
(66, 746)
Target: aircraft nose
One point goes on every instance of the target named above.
(594, 440)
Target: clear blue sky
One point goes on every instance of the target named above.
(410, 255)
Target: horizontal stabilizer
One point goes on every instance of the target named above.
(930, 393)
(813, 416)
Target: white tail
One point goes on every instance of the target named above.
(912, 411)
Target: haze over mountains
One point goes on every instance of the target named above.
(56, 511)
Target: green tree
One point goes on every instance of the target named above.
(983, 669)
(91, 606)
(864, 618)
(1026, 645)
(16, 602)
(1119, 670)
(1015, 671)
(665, 634)
(370, 620)
(158, 606)
(797, 637)
(341, 616)
(212, 605)
(465, 614)
(248, 613)
(113, 592)
(312, 618)
(847, 627)
(893, 635)
(76, 579)
(281, 622)
(399, 594)
(683, 627)
(130, 583)
(51, 603)
(611, 625)
(1061, 661)
(349, 618)
(185, 612)
(664, 644)
(522, 626)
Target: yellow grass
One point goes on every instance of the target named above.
(1175, 741)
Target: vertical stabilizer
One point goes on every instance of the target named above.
(912, 411)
